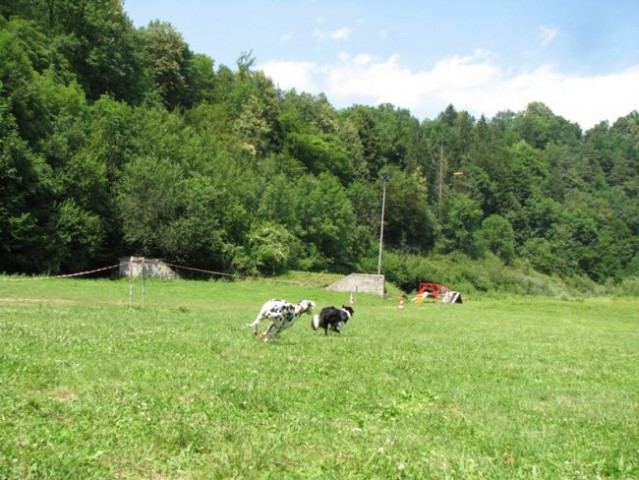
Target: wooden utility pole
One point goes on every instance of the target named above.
(385, 178)
(441, 179)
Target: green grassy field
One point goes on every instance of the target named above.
(181, 389)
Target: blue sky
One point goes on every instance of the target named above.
(579, 57)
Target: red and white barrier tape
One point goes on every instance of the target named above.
(201, 270)
(68, 275)
(88, 272)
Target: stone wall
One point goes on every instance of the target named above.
(360, 283)
(153, 267)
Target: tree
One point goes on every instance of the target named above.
(616, 248)
(305, 113)
(476, 182)
(326, 223)
(169, 60)
(539, 126)
(80, 237)
(112, 134)
(497, 235)
(67, 112)
(350, 139)
(366, 125)
(253, 108)
(17, 76)
(462, 220)
(625, 133)
(397, 131)
(100, 45)
(29, 38)
(544, 258)
(540, 217)
(253, 127)
(203, 79)
(277, 204)
(581, 239)
(409, 222)
(321, 153)
(527, 173)
(26, 195)
(272, 250)
(150, 199)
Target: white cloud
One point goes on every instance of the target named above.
(290, 74)
(586, 100)
(547, 34)
(476, 83)
(382, 81)
(286, 37)
(377, 81)
(341, 34)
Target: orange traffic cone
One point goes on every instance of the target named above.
(401, 304)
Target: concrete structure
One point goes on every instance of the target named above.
(359, 283)
(151, 267)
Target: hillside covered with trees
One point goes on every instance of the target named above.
(117, 141)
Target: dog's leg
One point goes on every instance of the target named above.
(269, 333)
(258, 319)
(263, 334)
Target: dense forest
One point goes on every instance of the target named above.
(117, 141)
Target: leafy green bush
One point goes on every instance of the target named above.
(629, 286)
(272, 250)
(488, 275)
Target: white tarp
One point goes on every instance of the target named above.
(452, 297)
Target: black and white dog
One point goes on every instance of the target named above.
(332, 317)
(282, 315)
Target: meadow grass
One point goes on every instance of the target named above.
(493, 388)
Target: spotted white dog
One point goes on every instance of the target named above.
(282, 315)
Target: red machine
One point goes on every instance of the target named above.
(435, 290)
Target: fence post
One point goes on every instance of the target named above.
(142, 268)
(131, 282)
(132, 262)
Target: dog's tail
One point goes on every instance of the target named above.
(315, 322)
